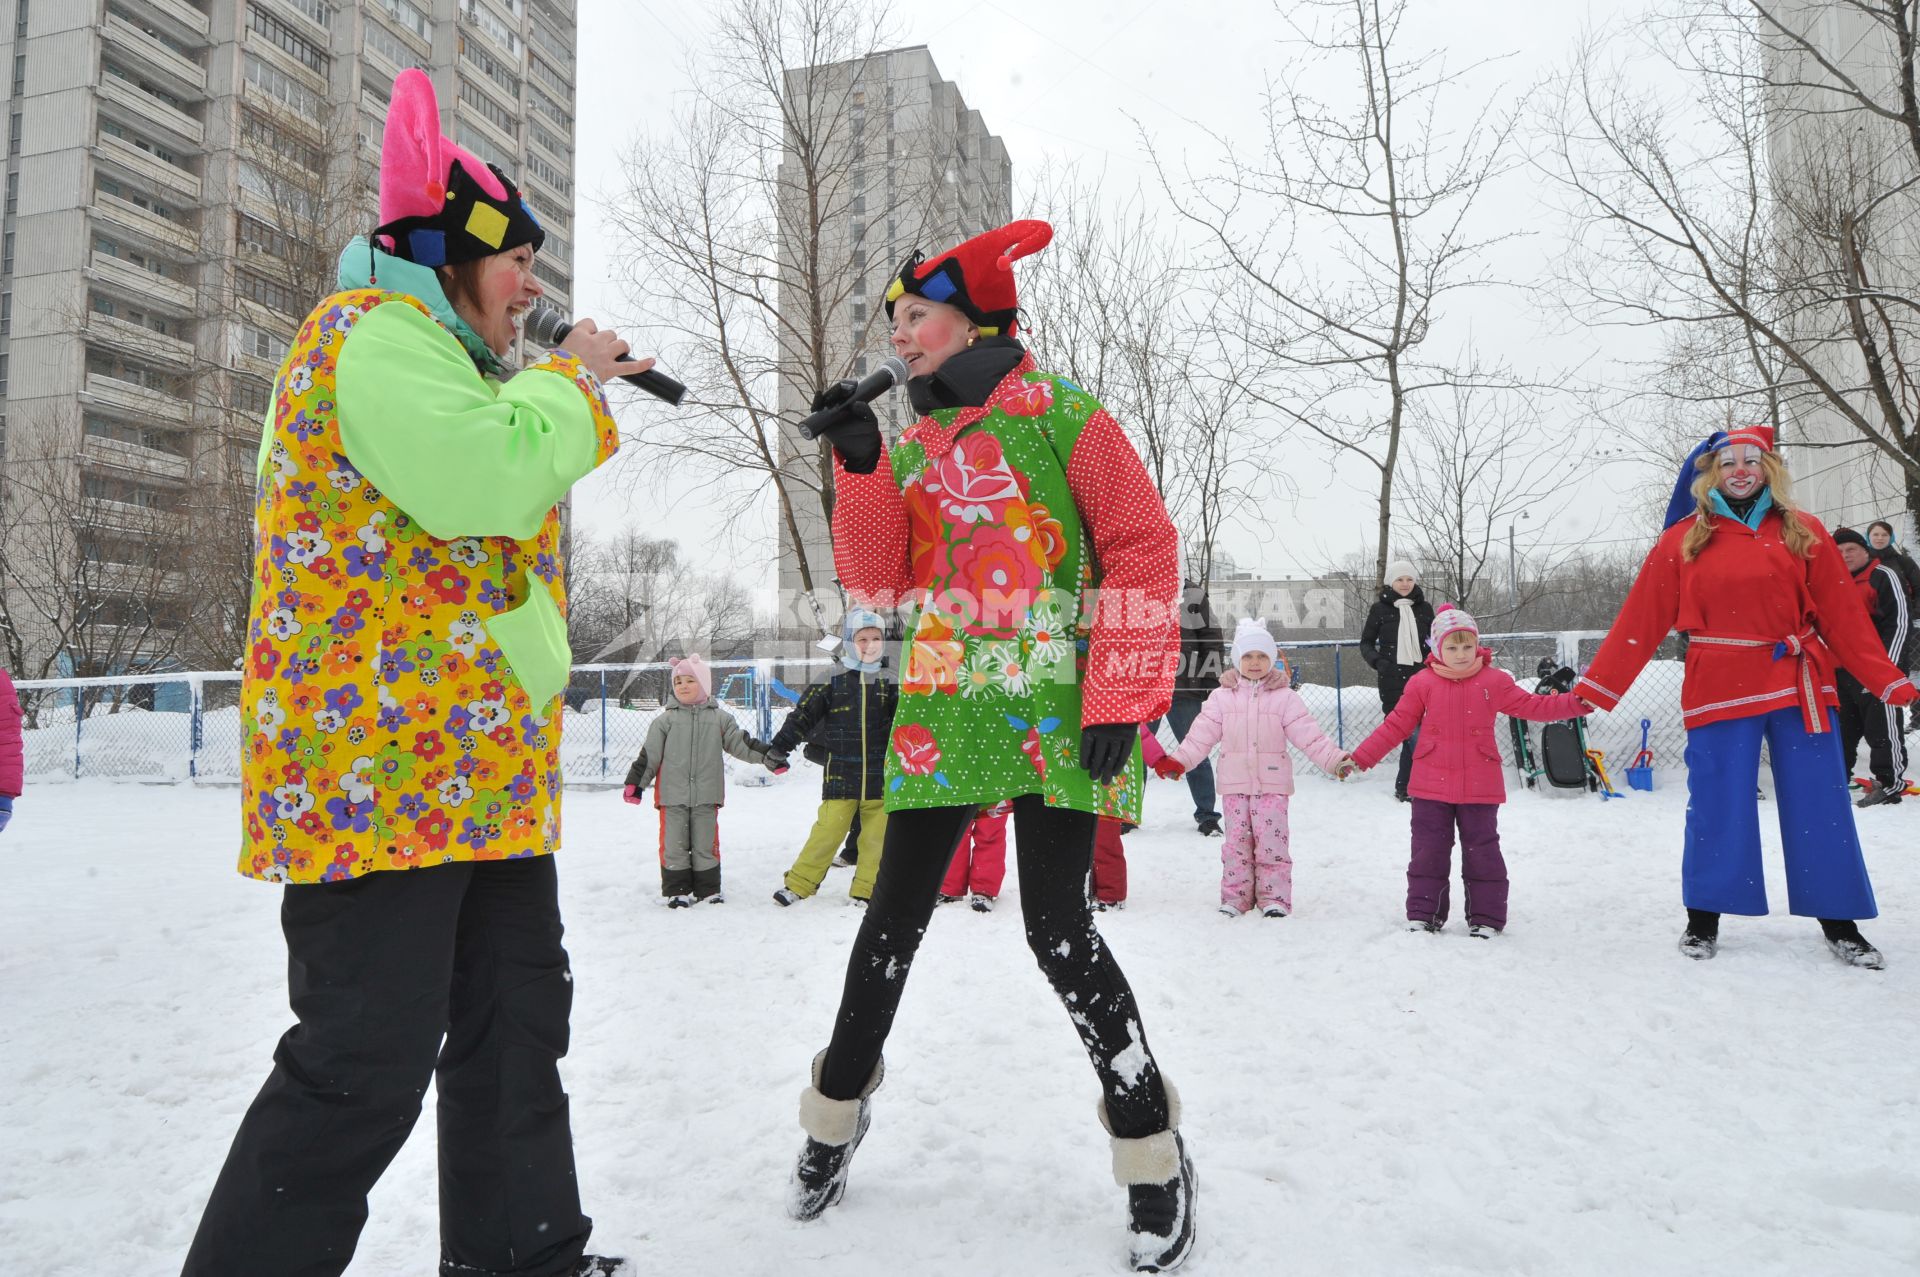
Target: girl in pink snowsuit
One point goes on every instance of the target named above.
(1254, 722)
(1457, 782)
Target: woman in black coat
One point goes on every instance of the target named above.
(1393, 643)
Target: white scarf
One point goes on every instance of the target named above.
(1406, 649)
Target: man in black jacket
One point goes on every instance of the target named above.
(1203, 654)
(1393, 643)
(1861, 712)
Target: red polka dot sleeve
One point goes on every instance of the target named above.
(1136, 632)
(870, 534)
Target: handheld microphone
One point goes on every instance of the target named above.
(550, 328)
(891, 372)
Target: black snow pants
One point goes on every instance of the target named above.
(1883, 726)
(455, 975)
(1054, 851)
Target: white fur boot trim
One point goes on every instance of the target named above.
(1151, 1159)
(834, 1121)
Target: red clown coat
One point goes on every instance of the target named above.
(1764, 625)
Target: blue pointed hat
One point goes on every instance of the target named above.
(1682, 504)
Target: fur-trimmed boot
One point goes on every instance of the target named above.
(1161, 1190)
(834, 1129)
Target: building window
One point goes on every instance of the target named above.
(544, 105)
(277, 32)
(490, 66)
(409, 15)
(251, 395)
(261, 344)
(550, 77)
(553, 275)
(109, 128)
(319, 11)
(280, 143)
(277, 84)
(546, 139)
(269, 293)
(488, 21)
(120, 191)
(547, 173)
(393, 49)
(489, 109)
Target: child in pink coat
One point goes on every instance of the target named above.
(1254, 723)
(1457, 779)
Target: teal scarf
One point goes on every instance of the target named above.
(1761, 504)
(361, 266)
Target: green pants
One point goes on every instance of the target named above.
(829, 831)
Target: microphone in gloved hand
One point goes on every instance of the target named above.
(831, 408)
(550, 328)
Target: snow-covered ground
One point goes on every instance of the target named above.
(1572, 1097)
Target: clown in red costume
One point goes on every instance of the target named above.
(1769, 610)
(992, 519)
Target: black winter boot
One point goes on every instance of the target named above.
(834, 1129)
(1161, 1192)
(1848, 945)
(1701, 939)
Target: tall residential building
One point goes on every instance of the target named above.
(180, 178)
(1828, 154)
(921, 171)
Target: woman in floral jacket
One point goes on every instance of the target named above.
(401, 711)
(991, 520)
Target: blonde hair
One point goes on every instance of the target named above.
(1798, 536)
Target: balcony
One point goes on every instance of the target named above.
(149, 109)
(124, 516)
(136, 282)
(118, 454)
(140, 341)
(149, 226)
(151, 167)
(188, 22)
(137, 400)
(180, 74)
(130, 578)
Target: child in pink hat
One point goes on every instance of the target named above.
(1457, 781)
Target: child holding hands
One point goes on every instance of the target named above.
(1254, 722)
(683, 753)
(1457, 780)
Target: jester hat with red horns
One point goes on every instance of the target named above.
(1681, 504)
(439, 203)
(976, 277)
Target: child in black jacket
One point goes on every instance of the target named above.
(856, 706)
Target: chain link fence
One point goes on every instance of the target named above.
(185, 727)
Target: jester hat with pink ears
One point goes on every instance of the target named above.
(440, 203)
(976, 277)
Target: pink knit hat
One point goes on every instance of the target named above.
(701, 674)
(1447, 620)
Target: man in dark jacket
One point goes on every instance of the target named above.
(856, 708)
(1393, 643)
(1884, 591)
(1203, 654)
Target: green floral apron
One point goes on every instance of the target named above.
(990, 692)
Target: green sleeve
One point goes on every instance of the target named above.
(461, 455)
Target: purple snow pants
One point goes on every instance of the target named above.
(1483, 874)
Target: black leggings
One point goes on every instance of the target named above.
(1054, 850)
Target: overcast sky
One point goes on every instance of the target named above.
(1058, 81)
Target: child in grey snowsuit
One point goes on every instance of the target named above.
(683, 753)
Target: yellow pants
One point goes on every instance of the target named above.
(829, 832)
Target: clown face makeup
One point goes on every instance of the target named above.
(1739, 470)
(927, 333)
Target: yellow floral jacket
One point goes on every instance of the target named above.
(407, 648)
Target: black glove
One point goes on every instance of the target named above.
(776, 761)
(815, 753)
(848, 425)
(1105, 749)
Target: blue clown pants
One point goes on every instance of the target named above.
(1826, 874)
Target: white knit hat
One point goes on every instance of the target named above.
(1252, 636)
(1397, 569)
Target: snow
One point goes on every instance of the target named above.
(1570, 1097)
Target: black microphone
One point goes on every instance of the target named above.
(891, 372)
(550, 328)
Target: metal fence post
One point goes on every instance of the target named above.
(194, 728)
(79, 716)
(763, 698)
(603, 724)
(1339, 704)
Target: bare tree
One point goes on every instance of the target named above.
(92, 570)
(635, 597)
(1114, 308)
(1337, 335)
(1763, 216)
(1478, 471)
(754, 244)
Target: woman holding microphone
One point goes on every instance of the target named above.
(991, 520)
(401, 712)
